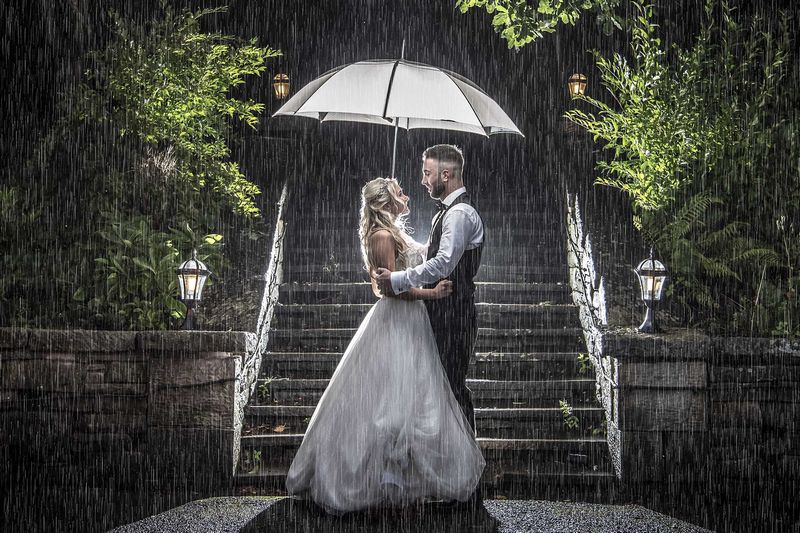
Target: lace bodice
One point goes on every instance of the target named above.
(414, 255)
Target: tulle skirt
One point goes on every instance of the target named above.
(387, 430)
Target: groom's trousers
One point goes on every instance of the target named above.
(455, 326)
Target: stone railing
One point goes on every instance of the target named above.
(588, 290)
(153, 406)
(274, 274)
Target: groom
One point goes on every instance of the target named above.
(454, 253)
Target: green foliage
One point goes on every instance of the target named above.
(18, 217)
(570, 420)
(584, 363)
(703, 142)
(706, 251)
(660, 126)
(600, 431)
(96, 221)
(136, 285)
(520, 22)
(167, 84)
(251, 460)
(263, 390)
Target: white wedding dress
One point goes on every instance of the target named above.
(388, 430)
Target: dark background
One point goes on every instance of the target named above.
(43, 43)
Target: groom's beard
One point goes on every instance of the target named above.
(437, 190)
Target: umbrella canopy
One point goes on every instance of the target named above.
(396, 92)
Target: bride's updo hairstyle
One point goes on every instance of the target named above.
(380, 200)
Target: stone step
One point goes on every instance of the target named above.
(559, 481)
(489, 315)
(338, 253)
(546, 269)
(487, 365)
(330, 237)
(508, 423)
(502, 455)
(511, 211)
(511, 340)
(318, 292)
(485, 392)
(578, 484)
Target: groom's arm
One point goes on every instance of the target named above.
(457, 225)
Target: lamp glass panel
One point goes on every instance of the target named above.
(190, 284)
(281, 89)
(658, 286)
(576, 85)
(201, 282)
(652, 285)
(643, 286)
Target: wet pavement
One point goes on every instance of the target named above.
(255, 514)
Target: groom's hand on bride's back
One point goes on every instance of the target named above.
(383, 277)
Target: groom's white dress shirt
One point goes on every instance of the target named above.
(461, 230)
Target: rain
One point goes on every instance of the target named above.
(184, 296)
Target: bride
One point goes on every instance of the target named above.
(388, 430)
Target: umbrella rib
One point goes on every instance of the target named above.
(389, 91)
(468, 102)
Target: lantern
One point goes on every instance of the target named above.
(653, 278)
(577, 85)
(280, 85)
(192, 276)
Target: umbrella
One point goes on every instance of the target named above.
(399, 93)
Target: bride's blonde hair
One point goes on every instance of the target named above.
(380, 198)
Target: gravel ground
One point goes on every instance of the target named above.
(218, 515)
(222, 515)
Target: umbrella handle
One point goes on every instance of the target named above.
(394, 150)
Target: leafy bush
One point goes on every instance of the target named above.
(18, 217)
(139, 156)
(521, 22)
(168, 83)
(135, 282)
(706, 149)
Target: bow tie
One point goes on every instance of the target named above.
(441, 206)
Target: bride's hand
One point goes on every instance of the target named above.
(443, 289)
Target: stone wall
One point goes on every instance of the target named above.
(697, 426)
(112, 416)
(754, 424)
(124, 410)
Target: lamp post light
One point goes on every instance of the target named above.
(653, 277)
(192, 276)
(280, 86)
(576, 85)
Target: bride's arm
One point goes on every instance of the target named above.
(382, 254)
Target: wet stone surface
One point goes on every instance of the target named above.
(283, 514)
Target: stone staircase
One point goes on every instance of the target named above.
(526, 357)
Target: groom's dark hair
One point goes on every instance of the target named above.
(446, 153)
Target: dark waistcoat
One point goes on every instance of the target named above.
(462, 276)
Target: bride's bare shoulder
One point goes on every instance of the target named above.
(381, 249)
(380, 236)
